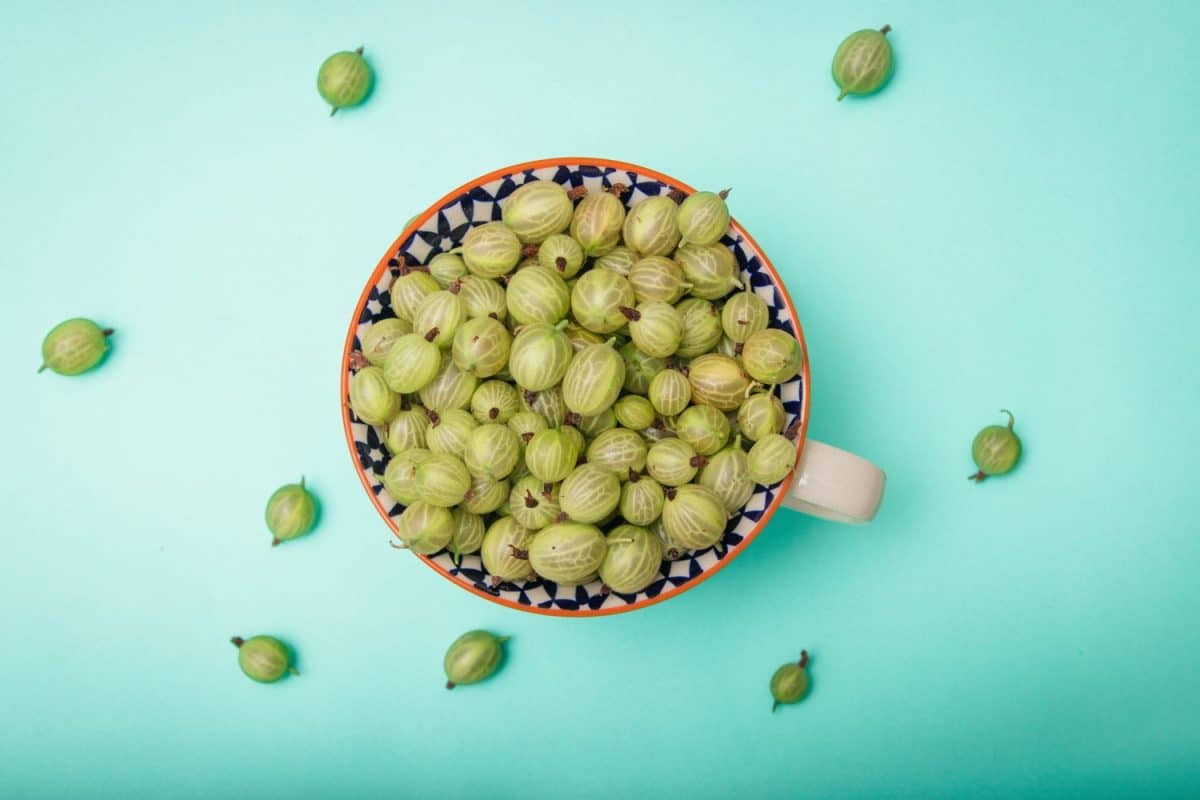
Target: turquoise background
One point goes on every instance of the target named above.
(1012, 222)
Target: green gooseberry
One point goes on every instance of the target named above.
(491, 250)
(263, 658)
(772, 356)
(505, 551)
(539, 356)
(673, 462)
(538, 210)
(495, 401)
(619, 450)
(525, 424)
(761, 415)
(995, 449)
(633, 559)
(371, 399)
(656, 328)
(562, 254)
(694, 516)
(412, 363)
(597, 222)
(863, 62)
(446, 268)
(400, 476)
(703, 427)
(640, 368)
(634, 411)
(481, 347)
(291, 512)
(593, 426)
(651, 227)
(619, 260)
(449, 431)
(568, 553)
(597, 299)
(344, 79)
(710, 269)
(641, 499)
(482, 297)
(744, 314)
(574, 434)
(728, 347)
(728, 475)
(701, 327)
(74, 346)
(547, 402)
(657, 279)
(450, 388)
(442, 480)
(551, 455)
(537, 294)
(409, 290)
(485, 495)
(407, 430)
(380, 337)
(534, 504)
(593, 379)
(438, 317)
(589, 494)
(704, 217)
(672, 549)
(467, 536)
(718, 381)
(492, 450)
(771, 459)
(473, 657)
(424, 528)
(670, 392)
(789, 684)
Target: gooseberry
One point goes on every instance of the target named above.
(473, 657)
(490, 250)
(863, 61)
(537, 210)
(651, 226)
(772, 356)
(263, 658)
(789, 684)
(771, 459)
(291, 512)
(568, 553)
(704, 217)
(74, 347)
(344, 79)
(633, 559)
(995, 449)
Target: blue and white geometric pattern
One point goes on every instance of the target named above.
(443, 230)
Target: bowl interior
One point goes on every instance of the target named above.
(441, 228)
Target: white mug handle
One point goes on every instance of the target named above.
(835, 485)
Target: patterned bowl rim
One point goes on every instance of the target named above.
(514, 169)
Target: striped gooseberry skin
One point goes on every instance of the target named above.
(640, 368)
(409, 290)
(580, 337)
(371, 399)
(407, 431)
(771, 459)
(703, 218)
(438, 317)
(657, 279)
(597, 299)
(380, 337)
(772, 356)
(495, 401)
(491, 250)
(568, 553)
(761, 415)
(589, 494)
(574, 434)
(619, 260)
(593, 380)
(673, 462)
(537, 210)
(618, 450)
(641, 499)
(551, 454)
(442, 480)
(467, 536)
(670, 392)
(597, 222)
(701, 327)
(450, 388)
(525, 424)
(728, 347)
(425, 528)
(481, 347)
(651, 226)
(400, 476)
(703, 427)
(710, 269)
(492, 450)
(694, 516)
(634, 412)
(449, 430)
(446, 268)
(562, 254)
(539, 356)
(533, 504)
(863, 61)
(633, 559)
(481, 297)
(485, 495)
(412, 363)
(547, 402)
(744, 314)
(728, 474)
(672, 549)
(591, 427)
(503, 537)
(537, 294)
(718, 381)
(656, 328)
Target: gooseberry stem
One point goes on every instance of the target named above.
(107, 332)
(840, 96)
(357, 360)
(977, 477)
(577, 192)
(561, 263)
(885, 30)
(238, 641)
(529, 250)
(803, 659)
(1011, 418)
(724, 193)
(530, 500)
(631, 314)
(523, 555)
